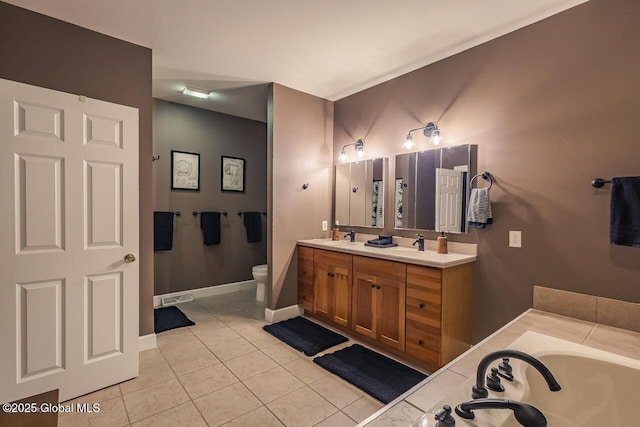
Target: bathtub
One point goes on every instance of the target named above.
(598, 388)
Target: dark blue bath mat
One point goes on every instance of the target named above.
(165, 318)
(304, 335)
(377, 375)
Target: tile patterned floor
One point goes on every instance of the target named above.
(226, 371)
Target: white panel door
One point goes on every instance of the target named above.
(448, 200)
(69, 218)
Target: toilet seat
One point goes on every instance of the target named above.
(260, 269)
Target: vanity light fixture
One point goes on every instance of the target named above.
(430, 130)
(198, 93)
(358, 145)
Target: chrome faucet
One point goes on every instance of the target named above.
(420, 242)
(526, 415)
(352, 235)
(479, 390)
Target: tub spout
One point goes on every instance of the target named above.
(479, 390)
(526, 415)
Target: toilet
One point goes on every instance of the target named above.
(260, 275)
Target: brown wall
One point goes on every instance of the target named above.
(191, 264)
(300, 135)
(46, 52)
(551, 106)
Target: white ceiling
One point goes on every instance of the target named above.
(327, 48)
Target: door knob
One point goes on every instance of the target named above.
(129, 258)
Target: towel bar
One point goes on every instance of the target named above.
(599, 182)
(240, 213)
(195, 213)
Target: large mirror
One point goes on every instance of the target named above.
(431, 188)
(360, 193)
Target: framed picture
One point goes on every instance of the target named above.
(232, 174)
(185, 170)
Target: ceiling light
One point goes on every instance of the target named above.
(198, 93)
(430, 130)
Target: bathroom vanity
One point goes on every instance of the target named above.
(414, 304)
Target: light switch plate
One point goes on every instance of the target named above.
(325, 226)
(515, 239)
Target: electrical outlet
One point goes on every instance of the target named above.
(325, 226)
(515, 239)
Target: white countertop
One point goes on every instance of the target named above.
(408, 254)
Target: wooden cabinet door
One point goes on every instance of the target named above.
(390, 312)
(364, 306)
(321, 292)
(340, 296)
(332, 286)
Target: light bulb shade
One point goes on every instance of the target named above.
(435, 137)
(432, 131)
(408, 142)
(343, 155)
(359, 148)
(198, 93)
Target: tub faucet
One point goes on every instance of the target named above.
(526, 415)
(479, 390)
(352, 235)
(420, 242)
(444, 418)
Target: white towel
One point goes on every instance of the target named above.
(479, 210)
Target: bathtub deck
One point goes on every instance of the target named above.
(422, 398)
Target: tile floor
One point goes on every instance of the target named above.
(226, 371)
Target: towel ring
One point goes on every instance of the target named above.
(484, 175)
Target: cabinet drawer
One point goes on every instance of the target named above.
(305, 271)
(423, 311)
(333, 259)
(423, 342)
(380, 268)
(426, 277)
(305, 253)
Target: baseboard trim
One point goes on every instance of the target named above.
(208, 291)
(147, 342)
(274, 316)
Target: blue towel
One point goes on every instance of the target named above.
(162, 231)
(253, 224)
(624, 226)
(210, 224)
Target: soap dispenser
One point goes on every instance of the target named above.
(335, 233)
(442, 244)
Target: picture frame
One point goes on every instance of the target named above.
(232, 174)
(185, 170)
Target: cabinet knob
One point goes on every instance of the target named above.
(377, 287)
(373, 286)
(420, 342)
(421, 305)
